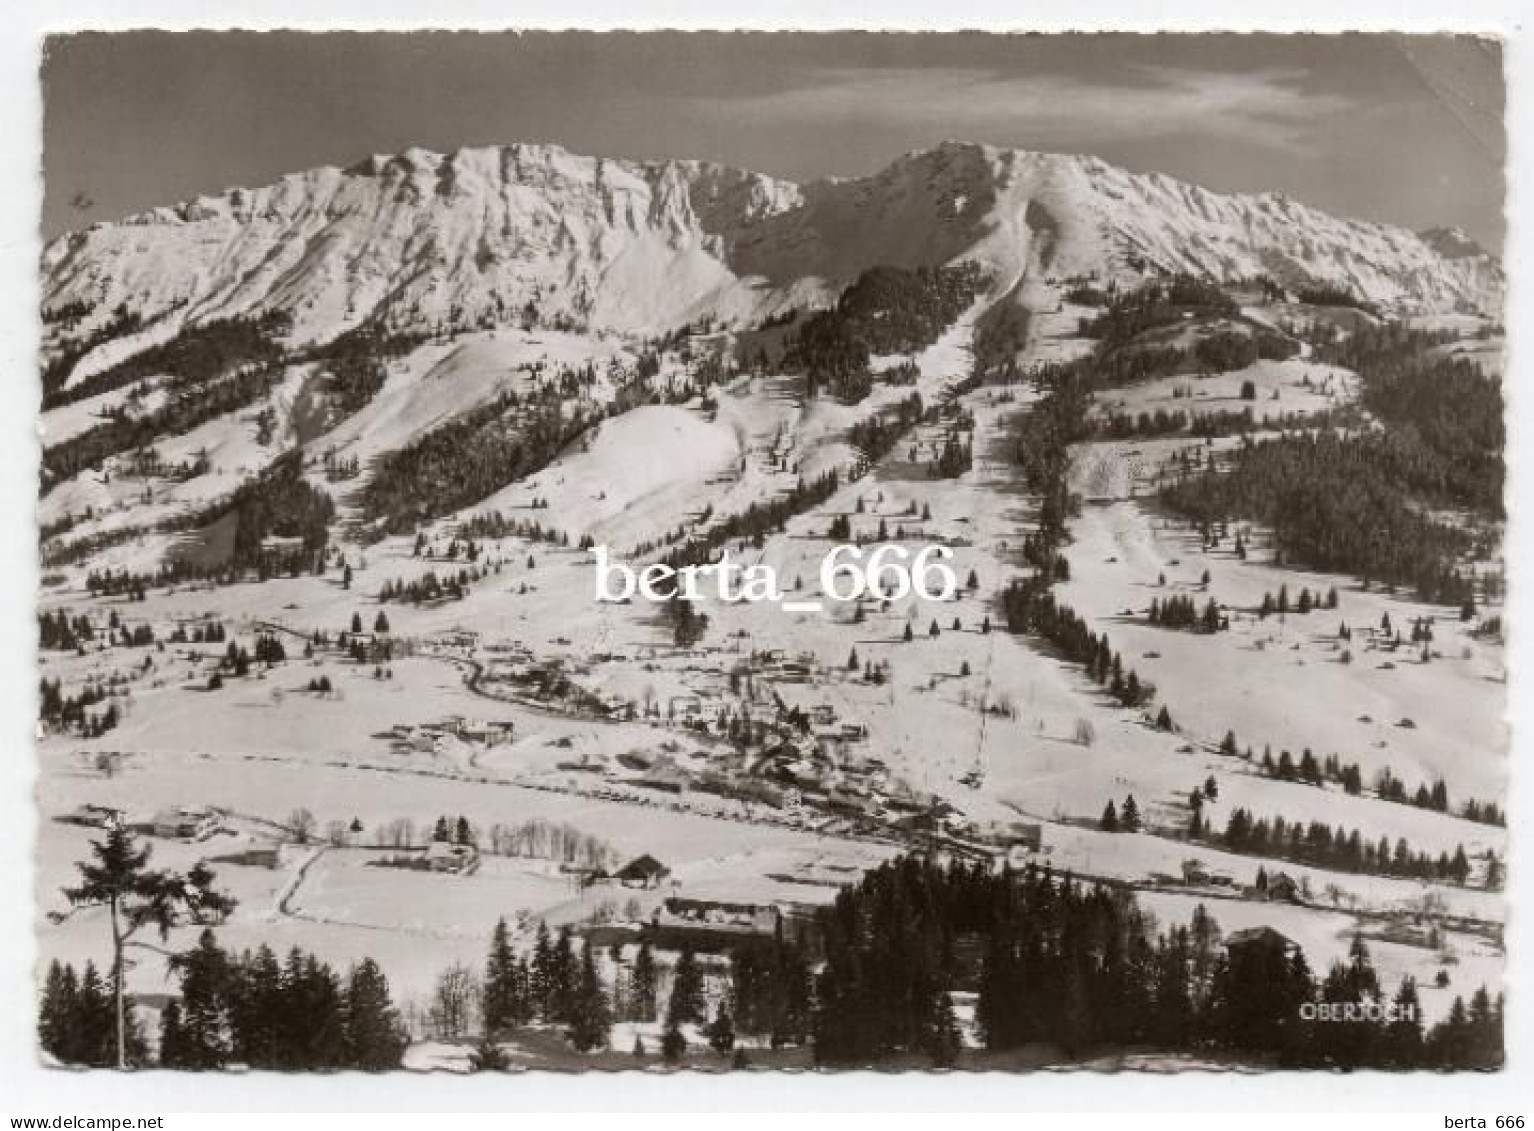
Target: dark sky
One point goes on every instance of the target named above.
(1406, 130)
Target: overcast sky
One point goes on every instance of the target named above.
(1406, 130)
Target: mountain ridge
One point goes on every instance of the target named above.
(530, 232)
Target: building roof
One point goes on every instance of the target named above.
(643, 868)
(1260, 936)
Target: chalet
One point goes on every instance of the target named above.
(711, 927)
(182, 823)
(642, 872)
(453, 638)
(444, 856)
(1261, 938)
(1282, 888)
(1022, 836)
(1194, 872)
(492, 733)
(750, 917)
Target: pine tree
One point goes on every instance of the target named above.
(487, 1056)
(590, 1013)
(173, 1052)
(119, 879)
(96, 1037)
(943, 1042)
(501, 1007)
(563, 974)
(375, 1036)
(57, 1013)
(541, 972)
(643, 989)
(721, 1031)
(1109, 822)
(673, 1046)
(203, 1021)
(686, 1004)
(1129, 818)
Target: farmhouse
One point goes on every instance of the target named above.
(1282, 888)
(459, 639)
(1260, 938)
(642, 872)
(444, 856)
(492, 733)
(751, 917)
(181, 823)
(1023, 836)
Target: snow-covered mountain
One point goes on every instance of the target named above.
(494, 235)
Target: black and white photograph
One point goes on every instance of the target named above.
(745, 552)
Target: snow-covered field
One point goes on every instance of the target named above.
(963, 719)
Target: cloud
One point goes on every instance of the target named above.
(1272, 107)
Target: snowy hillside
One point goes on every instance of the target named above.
(531, 234)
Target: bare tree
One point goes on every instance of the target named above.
(300, 824)
(453, 1002)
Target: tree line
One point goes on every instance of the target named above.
(196, 356)
(1339, 503)
(886, 310)
(1030, 607)
(1333, 848)
(1083, 968)
(1407, 381)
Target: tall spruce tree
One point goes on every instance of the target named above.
(590, 1018)
(686, 1006)
(375, 1037)
(644, 986)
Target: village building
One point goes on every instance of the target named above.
(183, 823)
(1261, 938)
(1282, 888)
(276, 548)
(753, 918)
(642, 872)
(445, 856)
